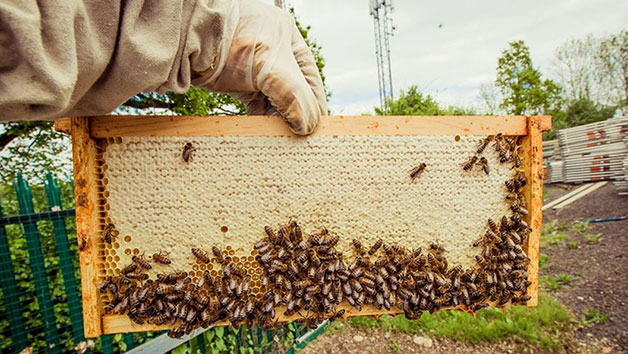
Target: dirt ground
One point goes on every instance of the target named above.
(600, 272)
(351, 340)
(601, 269)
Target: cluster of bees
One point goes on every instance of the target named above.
(174, 299)
(306, 274)
(506, 149)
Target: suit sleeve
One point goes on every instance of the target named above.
(64, 57)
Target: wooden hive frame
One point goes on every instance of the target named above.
(86, 130)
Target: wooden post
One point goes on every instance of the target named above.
(532, 151)
(85, 193)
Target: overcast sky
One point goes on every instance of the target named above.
(452, 61)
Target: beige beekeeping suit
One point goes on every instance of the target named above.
(69, 58)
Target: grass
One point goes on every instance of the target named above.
(394, 346)
(555, 282)
(554, 238)
(573, 245)
(555, 225)
(363, 322)
(553, 233)
(335, 327)
(540, 326)
(593, 238)
(592, 316)
(580, 227)
(543, 261)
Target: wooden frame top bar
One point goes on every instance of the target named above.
(118, 126)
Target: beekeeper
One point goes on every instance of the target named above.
(75, 58)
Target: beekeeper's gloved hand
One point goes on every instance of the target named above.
(270, 68)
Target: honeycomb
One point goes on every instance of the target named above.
(355, 186)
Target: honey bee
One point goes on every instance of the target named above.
(298, 233)
(483, 143)
(331, 241)
(176, 332)
(162, 258)
(138, 276)
(129, 268)
(262, 246)
(107, 233)
(493, 226)
(178, 275)
(469, 164)
(357, 272)
(123, 281)
(499, 140)
(82, 242)
(201, 255)
(375, 247)
(417, 171)
(277, 265)
(518, 209)
(503, 156)
(270, 233)
(143, 263)
(188, 150)
(218, 254)
(512, 186)
(456, 270)
(314, 258)
(357, 247)
(442, 300)
(484, 164)
(163, 289)
(104, 285)
(521, 299)
(516, 161)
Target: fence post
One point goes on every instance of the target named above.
(12, 304)
(65, 257)
(36, 258)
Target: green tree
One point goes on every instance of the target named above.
(521, 85)
(612, 60)
(415, 103)
(575, 67)
(578, 112)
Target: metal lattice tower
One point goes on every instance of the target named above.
(381, 10)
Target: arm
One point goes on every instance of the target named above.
(75, 57)
(85, 58)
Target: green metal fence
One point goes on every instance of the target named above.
(40, 305)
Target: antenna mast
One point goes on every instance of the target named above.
(381, 11)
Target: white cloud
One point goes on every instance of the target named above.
(449, 62)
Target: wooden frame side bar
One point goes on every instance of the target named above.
(85, 195)
(119, 126)
(533, 160)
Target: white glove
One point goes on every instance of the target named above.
(270, 68)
